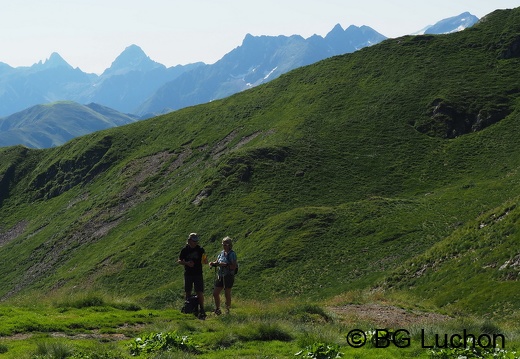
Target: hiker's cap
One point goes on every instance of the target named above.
(194, 237)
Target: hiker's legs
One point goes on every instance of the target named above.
(200, 298)
(229, 280)
(227, 293)
(188, 285)
(216, 296)
(199, 289)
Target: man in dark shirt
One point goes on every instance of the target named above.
(192, 257)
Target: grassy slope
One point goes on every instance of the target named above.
(320, 175)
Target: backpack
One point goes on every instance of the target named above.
(236, 268)
(191, 305)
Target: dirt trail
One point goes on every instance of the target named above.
(98, 336)
(385, 316)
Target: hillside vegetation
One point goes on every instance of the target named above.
(53, 124)
(394, 168)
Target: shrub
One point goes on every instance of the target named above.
(54, 350)
(157, 342)
(267, 332)
(87, 301)
(310, 313)
(320, 351)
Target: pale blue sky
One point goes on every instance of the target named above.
(90, 34)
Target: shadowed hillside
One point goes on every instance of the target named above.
(392, 167)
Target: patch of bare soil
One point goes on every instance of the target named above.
(98, 336)
(385, 316)
(12, 233)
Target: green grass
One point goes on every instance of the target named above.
(277, 329)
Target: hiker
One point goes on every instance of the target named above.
(226, 265)
(192, 256)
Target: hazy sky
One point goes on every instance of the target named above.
(90, 34)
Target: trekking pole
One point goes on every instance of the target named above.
(213, 291)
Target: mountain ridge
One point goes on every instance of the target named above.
(258, 60)
(37, 126)
(89, 87)
(134, 83)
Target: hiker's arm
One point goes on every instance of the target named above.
(217, 264)
(182, 262)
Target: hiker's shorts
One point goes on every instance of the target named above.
(225, 281)
(193, 281)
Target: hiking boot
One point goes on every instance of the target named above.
(202, 315)
(218, 311)
(227, 310)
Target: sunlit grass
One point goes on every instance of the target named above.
(271, 329)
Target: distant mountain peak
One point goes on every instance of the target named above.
(451, 24)
(132, 52)
(352, 38)
(55, 60)
(133, 58)
(338, 28)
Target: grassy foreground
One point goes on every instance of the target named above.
(92, 326)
